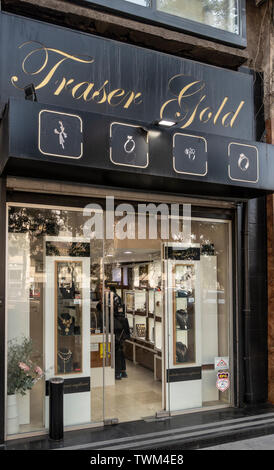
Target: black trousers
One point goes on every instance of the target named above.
(120, 361)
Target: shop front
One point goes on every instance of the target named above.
(125, 267)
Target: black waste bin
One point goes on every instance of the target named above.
(56, 408)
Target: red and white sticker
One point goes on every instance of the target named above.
(223, 382)
(221, 363)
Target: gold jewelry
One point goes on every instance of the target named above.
(65, 357)
(67, 324)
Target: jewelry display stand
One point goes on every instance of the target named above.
(67, 327)
(183, 332)
(143, 308)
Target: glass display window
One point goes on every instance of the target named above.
(184, 313)
(56, 286)
(68, 295)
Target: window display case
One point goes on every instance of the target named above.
(184, 313)
(68, 302)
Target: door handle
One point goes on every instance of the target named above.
(112, 347)
(106, 328)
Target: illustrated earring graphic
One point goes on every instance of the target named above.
(190, 153)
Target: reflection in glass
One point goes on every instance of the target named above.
(222, 14)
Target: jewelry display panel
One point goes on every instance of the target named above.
(68, 302)
(184, 313)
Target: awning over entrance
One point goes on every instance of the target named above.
(57, 143)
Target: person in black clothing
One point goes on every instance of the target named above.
(121, 330)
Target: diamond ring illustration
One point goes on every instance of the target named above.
(243, 162)
(129, 144)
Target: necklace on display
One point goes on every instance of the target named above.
(65, 357)
(67, 324)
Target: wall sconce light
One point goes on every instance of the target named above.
(30, 93)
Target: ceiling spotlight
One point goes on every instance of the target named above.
(127, 252)
(166, 123)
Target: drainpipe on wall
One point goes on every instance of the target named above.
(248, 393)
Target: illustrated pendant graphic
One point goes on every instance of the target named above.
(129, 145)
(62, 134)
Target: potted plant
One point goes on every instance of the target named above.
(23, 374)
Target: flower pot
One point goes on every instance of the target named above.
(12, 415)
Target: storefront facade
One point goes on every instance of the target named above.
(85, 170)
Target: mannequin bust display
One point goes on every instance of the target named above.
(66, 324)
(182, 319)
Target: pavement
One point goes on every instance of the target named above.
(257, 443)
(197, 430)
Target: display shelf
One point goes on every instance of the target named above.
(184, 313)
(143, 308)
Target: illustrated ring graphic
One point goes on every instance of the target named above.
(243, 162)
(129, 145)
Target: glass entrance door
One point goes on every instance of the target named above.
(198, 307)
(133, 326)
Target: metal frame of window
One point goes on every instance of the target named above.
(151, 14)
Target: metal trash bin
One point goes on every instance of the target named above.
(56, 408)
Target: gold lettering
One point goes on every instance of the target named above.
(220, 110)
(86, 91)
(97, 93)
(192, 117)
(49, 76)
(132, 99)
(190, 88)
(190, 85)
(64, 83)
(165, 105)
(115, 93)
(226, 116)
(237, 112)
(45, 50)
(209, 115)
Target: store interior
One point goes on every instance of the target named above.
(134, 276)
(66, 292)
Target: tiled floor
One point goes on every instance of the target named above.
(129, 399)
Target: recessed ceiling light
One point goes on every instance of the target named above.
(127, 252)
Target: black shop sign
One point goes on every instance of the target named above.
(91, 74)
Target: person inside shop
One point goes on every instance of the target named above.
(122, 333)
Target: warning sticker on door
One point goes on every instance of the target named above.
(221, 363)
